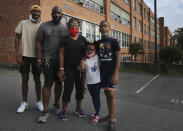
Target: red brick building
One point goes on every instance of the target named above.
(131, 21)
(165, 34)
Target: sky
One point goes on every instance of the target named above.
(171, 10)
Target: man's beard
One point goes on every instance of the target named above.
(57, 21)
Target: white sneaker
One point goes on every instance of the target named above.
(39, 105)
(22, 107)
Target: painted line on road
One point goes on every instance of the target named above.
(138, 91)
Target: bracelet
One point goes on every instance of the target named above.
(61, 68)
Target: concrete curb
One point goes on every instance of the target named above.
(9, 65)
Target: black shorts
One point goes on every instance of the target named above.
(29, 61)
(106, 73)
(50, 70)
(73, 77)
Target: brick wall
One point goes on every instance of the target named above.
(70, 8)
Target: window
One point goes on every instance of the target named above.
(95, 5)
(97, 8)
(125, 58)
(91, 34)
(152, 34)
(152, 21)
(120, 15)
(134, 22)
(140, 26)
(140, 41)
(144, 13)
(135, 39)
(92, 5)
(140, 9)
(149, 46)
(115, 17)
(149, 31)
(134, 4)
(153, 46)
(123, 38)
(64, 20)
(144, 29)
(148, 16)
(144, 44)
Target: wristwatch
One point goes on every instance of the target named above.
(61, 68)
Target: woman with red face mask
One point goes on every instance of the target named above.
(72, 50)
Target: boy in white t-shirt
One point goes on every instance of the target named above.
(92, 76)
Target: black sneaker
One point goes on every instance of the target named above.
(63, 116)
(112, 126)
(44, 117)
(56, 108)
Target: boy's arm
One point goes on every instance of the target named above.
(114, 79)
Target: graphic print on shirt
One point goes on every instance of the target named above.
(94, 68)
(105, 51)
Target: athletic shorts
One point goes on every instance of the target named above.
(50, 70)
(106, 73)
(28, 61)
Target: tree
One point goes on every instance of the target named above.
(178, 31)
(170, 54)
(135, 49)
(178, 34)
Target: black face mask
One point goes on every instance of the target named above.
(56, 21)
(105, 35)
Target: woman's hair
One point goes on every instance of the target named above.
(71, 20)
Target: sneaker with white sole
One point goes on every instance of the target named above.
(44, 117)
(39, 105)
(63, 116)
(92, 115)
(23, 106)
(95, 119)
(79, 112)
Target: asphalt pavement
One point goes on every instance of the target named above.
(145, 102)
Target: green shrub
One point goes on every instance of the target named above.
(170, 54)
(135, 49)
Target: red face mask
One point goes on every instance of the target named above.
(73, 32)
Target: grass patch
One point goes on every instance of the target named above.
(148, 72)
(172, 74)
(2, 71)
(135, 71)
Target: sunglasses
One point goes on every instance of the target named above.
(74, 25)
(104, 25)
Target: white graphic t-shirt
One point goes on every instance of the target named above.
(92, 70)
